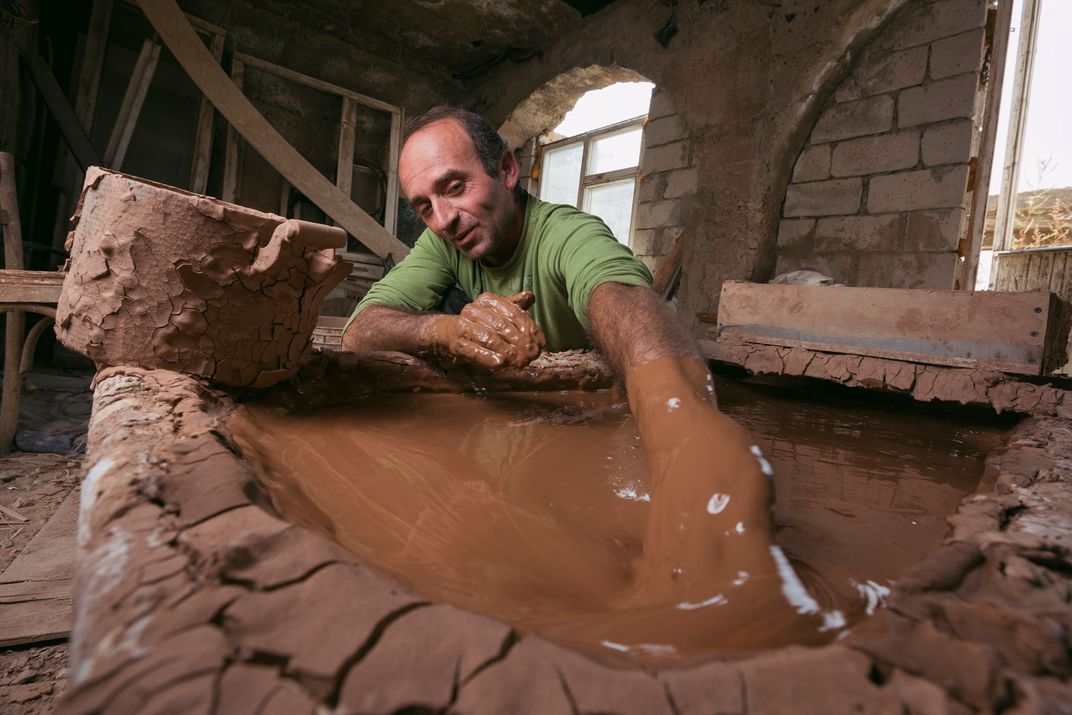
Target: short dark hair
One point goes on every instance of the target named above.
(490, 147)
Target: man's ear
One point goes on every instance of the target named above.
(510, 169)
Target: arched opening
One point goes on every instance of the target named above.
(609, 142)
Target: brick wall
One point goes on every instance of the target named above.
(879, 192)
(668, 180)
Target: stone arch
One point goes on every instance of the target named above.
(667, 172)
(547, 104)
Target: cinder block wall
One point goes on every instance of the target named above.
(668, 180)
(879, 195)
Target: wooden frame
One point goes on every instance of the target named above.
(999, 22)
(1025, 63)
(351, 100)
(587, 181)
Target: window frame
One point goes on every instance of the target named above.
(588, 180)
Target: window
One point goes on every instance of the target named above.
(596, 170)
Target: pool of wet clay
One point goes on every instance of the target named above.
(530, 507)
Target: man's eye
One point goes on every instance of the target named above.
(455, 188)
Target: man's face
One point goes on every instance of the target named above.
(447, 186)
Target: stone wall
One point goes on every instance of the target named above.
(879, 194)
(668, 180)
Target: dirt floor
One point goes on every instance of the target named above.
(53, 415)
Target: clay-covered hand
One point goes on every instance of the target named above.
(711, 487)
(492, 332)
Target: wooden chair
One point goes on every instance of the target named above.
(21, 292)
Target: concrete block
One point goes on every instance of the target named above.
(848, 91)
(859, 233)
(796, 234)
(656, 214)
(823, 198)
(651, 187)
(933, 230)
(813, 164)
(681, 182)
(854, 119)
(663, 131)
(666, 157)
(950, 98)
(875, 154)
(912, 190)
(665, 240)
(948, 143)
(907, 270)
(895, 70)
(957, 55)
(661, 105)
(935, 20)
(643, 241)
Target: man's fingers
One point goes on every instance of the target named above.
(524, 300)
(511, 309)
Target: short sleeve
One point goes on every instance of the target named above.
(590, 256)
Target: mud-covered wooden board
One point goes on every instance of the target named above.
(1013, 332)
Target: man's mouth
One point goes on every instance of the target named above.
(463, 239)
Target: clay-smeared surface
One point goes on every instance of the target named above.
(161, 278)
(192, 597)
(532, 508)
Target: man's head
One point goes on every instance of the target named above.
(462, 181)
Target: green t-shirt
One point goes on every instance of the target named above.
(562, 256)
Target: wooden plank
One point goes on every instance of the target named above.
(71, 129)
(206, 73)
(309, 81)
(36, 589)
(30, 286)
(229, 189)
(1004, 331)
(133, 99)
(390, 212)
(203, 137)
(998, 26)
(344, 168)
(14, 322)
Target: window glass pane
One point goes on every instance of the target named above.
(561, 174)
(613, 203)
(619, 150)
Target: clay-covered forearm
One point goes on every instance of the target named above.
(381, 328)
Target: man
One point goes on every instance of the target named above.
(710, 506)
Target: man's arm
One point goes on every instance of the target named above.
(709, 516)
(492, 332)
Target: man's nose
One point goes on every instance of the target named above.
(444, 216)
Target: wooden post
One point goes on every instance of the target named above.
(14, 322)
(133, 99)
(195, 58)
(203, 138)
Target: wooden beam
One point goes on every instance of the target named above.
(229, 189)
(344, 168)
(71, 129)
(1012, 332)
(180, 38)
(133, 99)
(15, 322)
(203, 137)
(17, 286)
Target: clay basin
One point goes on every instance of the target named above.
(194, 595)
